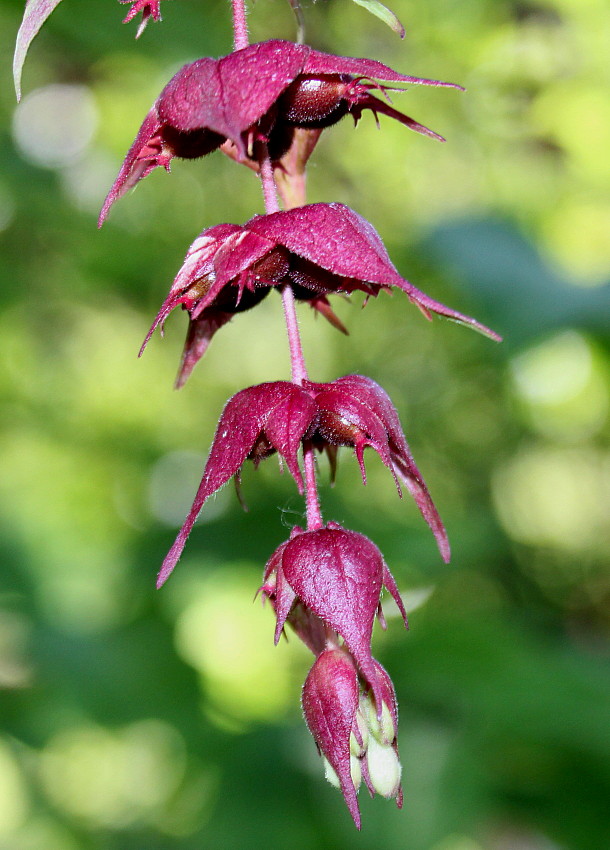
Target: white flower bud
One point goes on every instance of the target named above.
(384, 731)
(355, 748)
(355, 771)
(329, 773)
(384, 768)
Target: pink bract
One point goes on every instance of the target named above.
(279, 416)
(330, 702)
(238, 98)
(317, 249)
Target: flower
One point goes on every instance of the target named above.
(327, 584)
(149, 8)
(337, 575)
(258, 94)
(344, 721)
(279, 416)
(317, 249)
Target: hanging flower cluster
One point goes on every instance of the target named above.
(265, 105)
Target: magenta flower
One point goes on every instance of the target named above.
(337, 575)
(258, 94)
(279, 416)
(148, 8)
(317, 249)
(327, 584)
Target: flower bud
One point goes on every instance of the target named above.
(384, 768)
(354, 768)
(384, 730)
(359, 737)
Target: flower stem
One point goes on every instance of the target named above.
(240, 26)
(269, 188)
(297, 361)
(312, 501)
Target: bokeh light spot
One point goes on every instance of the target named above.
(54, 125)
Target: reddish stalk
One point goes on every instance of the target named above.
(312, 501)
(297, 361)
(240, 25)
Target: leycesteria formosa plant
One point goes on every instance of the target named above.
(265, 106)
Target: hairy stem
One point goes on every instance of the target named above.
(312, 503)
(297, 361)
(240, 25)
(269, 188)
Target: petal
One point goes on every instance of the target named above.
(338, 239)
(239, 254)
(287, 424)
(334, 237)
(198, 337)
(338, 575)
(199, 262)
(330, 701)
(228, 95)
(359, 417)
(402, 460)
(326, 63)
(134, 168)
(240, 423)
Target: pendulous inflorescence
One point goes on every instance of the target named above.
(265, 106)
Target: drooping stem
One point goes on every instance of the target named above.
(312, 503)
(240, 25)
(297, 361)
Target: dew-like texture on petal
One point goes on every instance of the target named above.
(35, 14)
(334, 237)
(228, 95)
(338, 574)
(330, 701)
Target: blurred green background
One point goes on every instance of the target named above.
(133, 719)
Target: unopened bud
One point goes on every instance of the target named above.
(329, 773)
(383, 730)
(358, 740)
(384, 768)
(355, 772)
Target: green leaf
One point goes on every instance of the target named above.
(387, 15)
